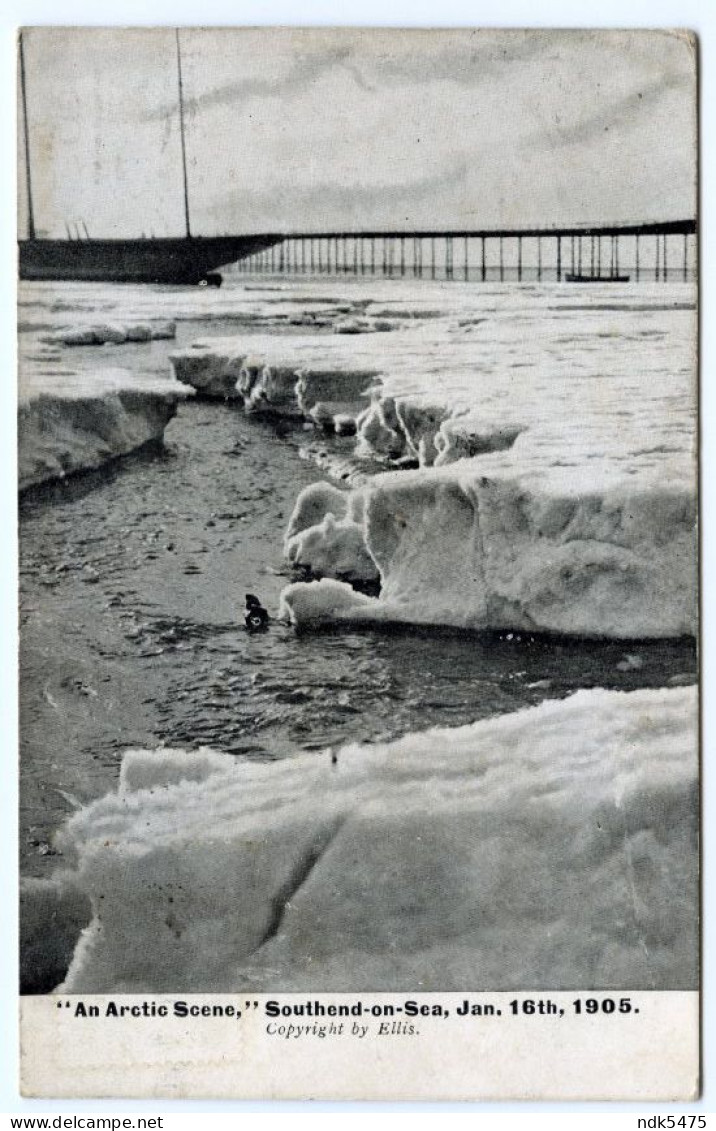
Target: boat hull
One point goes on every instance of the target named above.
(596, 278)
(183, 261)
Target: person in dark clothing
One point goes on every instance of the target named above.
(256, 618)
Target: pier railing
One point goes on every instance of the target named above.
(634, 252)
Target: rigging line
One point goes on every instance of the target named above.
(182, 134)
(30, 212)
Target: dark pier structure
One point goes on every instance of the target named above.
(657, 252)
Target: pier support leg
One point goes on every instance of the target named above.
(657, 258)
(666, 269)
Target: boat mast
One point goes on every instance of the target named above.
(30, 214)
(181, 134)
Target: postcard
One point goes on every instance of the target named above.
(359, 593)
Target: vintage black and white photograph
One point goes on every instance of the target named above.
(357, 456)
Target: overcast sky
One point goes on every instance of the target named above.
(309, 130)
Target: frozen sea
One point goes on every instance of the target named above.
(133, 577)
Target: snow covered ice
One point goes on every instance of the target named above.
(326, 534)
(476, 546)
(71, 421)
(519, 851)
(550, 496)
(112, 333)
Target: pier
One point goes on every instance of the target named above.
(655, 252)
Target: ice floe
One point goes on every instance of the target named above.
(113, 333)
(70, 421)
(480, 548)
(325, 534)
(549, 848)
(549, 500)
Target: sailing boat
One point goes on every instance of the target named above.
(185, 259)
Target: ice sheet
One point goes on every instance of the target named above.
(549, 848)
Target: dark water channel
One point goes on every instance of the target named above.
(132, 586)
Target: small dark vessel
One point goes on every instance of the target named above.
(256, 617)
(185, 259)
(596, 278)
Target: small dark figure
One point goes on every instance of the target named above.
(255, 618)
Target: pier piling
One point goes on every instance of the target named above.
(665, 265)
(520, 254)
